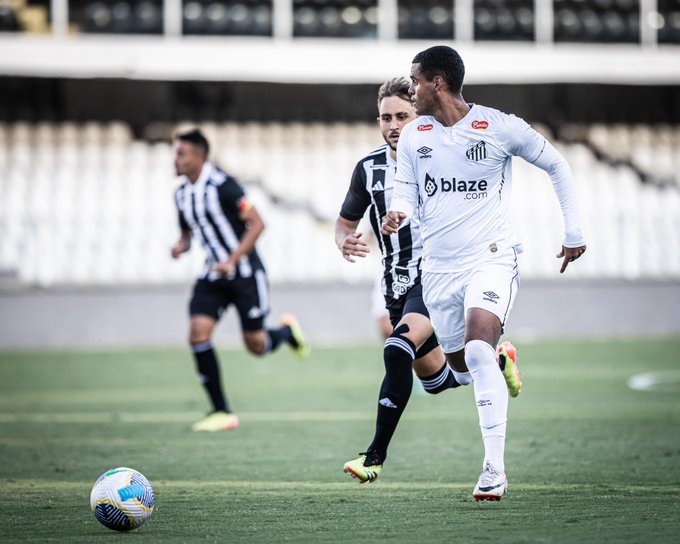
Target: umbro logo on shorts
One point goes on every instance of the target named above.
(491, 296)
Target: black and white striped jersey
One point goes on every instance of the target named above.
(210, 209)
(371, 187)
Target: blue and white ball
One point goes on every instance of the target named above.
(122, 499)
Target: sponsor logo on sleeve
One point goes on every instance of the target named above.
(480, 125)
(424, 128)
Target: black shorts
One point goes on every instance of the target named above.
(249, 295)
(412, 303)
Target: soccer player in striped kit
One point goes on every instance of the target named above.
(454, 175)
(412, 344)
(214, 209)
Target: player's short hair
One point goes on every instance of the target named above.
(442, 60)
(196, 137)
(397, 86)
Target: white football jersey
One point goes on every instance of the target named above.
(458, 180)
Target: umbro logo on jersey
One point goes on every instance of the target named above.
(480, 125)
(476, 150)
(491, 296)
(424, 152)
(423, 128)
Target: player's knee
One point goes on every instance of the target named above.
(479, 354)
(398, 347)
(430, 344)
(255, 343)
(255, 347)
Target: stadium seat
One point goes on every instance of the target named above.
(72, 185)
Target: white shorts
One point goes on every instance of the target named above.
(491, 285)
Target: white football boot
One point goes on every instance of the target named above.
(492, 485)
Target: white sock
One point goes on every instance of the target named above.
(491, 395)
(494, 446)
(463, 378)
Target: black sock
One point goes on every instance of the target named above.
(278, 336)
(395, 390)
(440, 381)
(209, 371)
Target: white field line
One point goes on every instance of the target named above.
(661, 381)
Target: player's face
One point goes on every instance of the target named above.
(422, 91)
(394, 113)
(188, 159)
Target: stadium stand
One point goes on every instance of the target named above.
(76, 202)
(285, 92)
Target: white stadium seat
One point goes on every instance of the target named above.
(89, 204)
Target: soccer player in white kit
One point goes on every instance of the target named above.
(454, 170)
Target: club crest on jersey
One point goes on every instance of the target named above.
(476, 150)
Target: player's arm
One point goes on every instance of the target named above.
(184, 243)
(573, 245)
(534, 148)
(403, 205)
(405, 195)
(254, 228)
(348, 240)
(357, 200)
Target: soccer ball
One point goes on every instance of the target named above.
(122, 499)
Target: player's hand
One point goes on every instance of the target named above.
(178, 249)
(354, 246)
(391, 222)
(569, 254)
(226, 268)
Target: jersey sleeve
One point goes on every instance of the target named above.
(405, 196)
(521, 140)
(180, 212)
(357, 199)
(527, 143)
(232, 196)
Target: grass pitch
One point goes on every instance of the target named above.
(588, 458)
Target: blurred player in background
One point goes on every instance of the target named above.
(454, 176)
(214, 209)
(412, 344)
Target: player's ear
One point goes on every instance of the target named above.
(438, 82)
